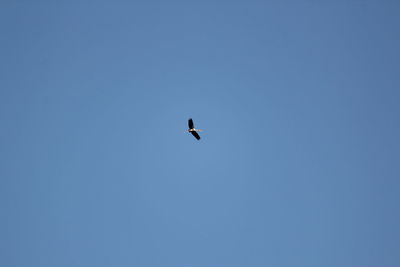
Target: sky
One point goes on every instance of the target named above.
(299, 160)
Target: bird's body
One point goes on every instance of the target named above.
(193, 130)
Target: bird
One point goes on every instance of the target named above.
(193, 130)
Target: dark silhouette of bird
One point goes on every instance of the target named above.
(193, 130)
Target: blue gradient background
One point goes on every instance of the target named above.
(299, 163)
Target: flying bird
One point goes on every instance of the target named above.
(193, 130)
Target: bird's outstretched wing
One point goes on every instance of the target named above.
(190, 123)
(195, 134)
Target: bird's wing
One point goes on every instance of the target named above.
(191, 125)
(195, 134)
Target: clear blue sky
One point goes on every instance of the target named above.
(299, 163)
